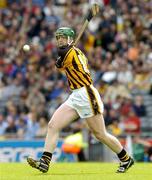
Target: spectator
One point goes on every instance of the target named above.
(11, 130)
(126, 106)
(120, 62)
(131, 124)
(3, 124)
(35, 97)
(115, 128)
(41, 133)
(21, 128)
(139, 107)
(32, 125)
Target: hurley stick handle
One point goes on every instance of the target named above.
(93, 11)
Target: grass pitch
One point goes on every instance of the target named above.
(75, 171)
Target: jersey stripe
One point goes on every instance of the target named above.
(78, 74)
(73, 79)
(85, 76)
(88, 78)
(75, 64)
(67, 54)
(93, 100)
(76, 69)
(71, 84)
(76, 77)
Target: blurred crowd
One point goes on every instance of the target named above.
(118, 44)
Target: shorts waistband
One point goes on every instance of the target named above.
(76, 90)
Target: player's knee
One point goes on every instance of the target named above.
(100, 136)
(52, 126)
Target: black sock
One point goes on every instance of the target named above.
(123, 155)
(47, 156)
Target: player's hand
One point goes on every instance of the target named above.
(95, 9)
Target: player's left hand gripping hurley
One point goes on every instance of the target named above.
(95, 7)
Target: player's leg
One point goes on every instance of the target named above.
(97, 126)
(62, 117)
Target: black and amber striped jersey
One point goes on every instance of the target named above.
(75, 65)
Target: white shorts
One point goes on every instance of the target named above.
(86, 101)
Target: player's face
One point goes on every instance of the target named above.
(61, 40)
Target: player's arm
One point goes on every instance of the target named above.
(62, 52)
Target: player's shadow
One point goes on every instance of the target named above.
(65, 174)
(61, 174)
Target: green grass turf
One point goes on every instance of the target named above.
(75, 171)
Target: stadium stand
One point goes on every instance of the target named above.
(118, 44)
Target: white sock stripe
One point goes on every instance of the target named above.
(46, 157)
